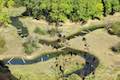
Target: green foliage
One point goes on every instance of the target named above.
(74, 77)
(38, 30)
(52, 31)
(4, 19)
(10, 3)
(75, 10)
(83, 9)
(115, 28)
(118, 77)
(2, 42)
(30, 46)
(112, 6)
(1, 4)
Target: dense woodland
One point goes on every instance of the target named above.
(75, 10)
(61, 10)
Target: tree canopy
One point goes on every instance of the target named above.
(75, 10)
(4, 18)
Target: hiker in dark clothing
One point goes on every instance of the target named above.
(59, 35)
(58, 40)
(83, 78)
(71, 53)
(61, 69)
(83, 39)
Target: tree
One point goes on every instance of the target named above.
(1, 4)
(10, 3)
(111, 6)
(84, 10)
(4, 18)
(76, 10)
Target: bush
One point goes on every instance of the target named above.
(30, 46)
(115, 29)
(118, 77)
(40, 31)
(2, 44)
(4, 19)
(10, 3)
(53, 31)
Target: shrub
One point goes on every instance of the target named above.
(9, 3)
(4, 19)
(30, 46)
(115, 29)
(53, 31)
(40, 31)
(2, 44)
(118, 77)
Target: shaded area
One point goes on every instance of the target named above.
(21, 29)
(5, 73)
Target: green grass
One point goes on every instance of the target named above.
(39, 30)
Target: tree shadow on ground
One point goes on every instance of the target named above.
(21, 29)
